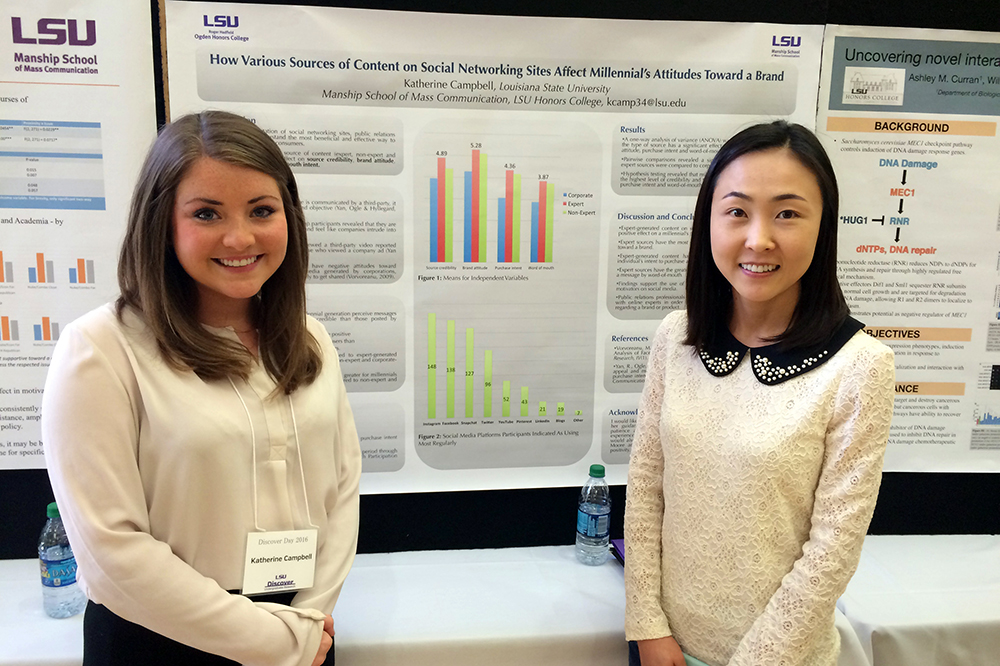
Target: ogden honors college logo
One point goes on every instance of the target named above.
(874, 86)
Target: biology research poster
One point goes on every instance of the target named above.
(910, 120)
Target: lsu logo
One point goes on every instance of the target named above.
(55, 31)
(786, 41)
(221, 21)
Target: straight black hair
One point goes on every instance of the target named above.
(821, 308)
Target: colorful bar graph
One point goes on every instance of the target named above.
(560, 409)
(83, 273)
(988, 419)
(524, 401)
(47, 330)
(475, 225)
(3, 275)
(8, 329)
(509, 211)
(42, 271)
(442, 211)
(542, 223)
(505, 409)
(542, 409)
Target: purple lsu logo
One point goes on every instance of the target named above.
(222, 21)
(785, 41)
(55, 31)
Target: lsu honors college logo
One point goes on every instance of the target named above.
(220, 28)
(221, 21)
(54, 31)
(875, 86)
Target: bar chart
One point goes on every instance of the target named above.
(42, 272)
(502, 384)
(6, 270)
(987, 416)
(478, 397)
(506, 229)
(9, 329)
(497, 193)
(47, 331)
(83, 273)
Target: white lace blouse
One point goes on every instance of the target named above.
(751, 486)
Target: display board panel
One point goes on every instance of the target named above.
(76, 115)
(910, 120)
(497, 207)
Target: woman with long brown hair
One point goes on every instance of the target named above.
(202, 414)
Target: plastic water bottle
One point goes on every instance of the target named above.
(61, 594)
(593, 519)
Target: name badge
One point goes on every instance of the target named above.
(279, 561)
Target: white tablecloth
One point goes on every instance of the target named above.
(540, 606)
(29, 637)
(512, 606)
(927, 600)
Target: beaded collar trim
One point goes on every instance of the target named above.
(770, 365)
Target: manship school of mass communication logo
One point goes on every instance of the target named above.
(874, 86)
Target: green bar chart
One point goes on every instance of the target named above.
(473, 385)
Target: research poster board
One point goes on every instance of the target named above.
(498, 209)
(77, 112)
(910, 120)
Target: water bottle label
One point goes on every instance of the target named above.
(592, 526)
(58, 573)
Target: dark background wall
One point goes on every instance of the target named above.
(909, 503)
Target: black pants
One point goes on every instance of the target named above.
(109, 640)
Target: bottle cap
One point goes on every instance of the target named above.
(52, 511)
(597, 471)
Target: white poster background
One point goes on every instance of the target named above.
(77, 112)
(607, 124)
(910, 119)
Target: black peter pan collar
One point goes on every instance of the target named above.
(770, 364)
